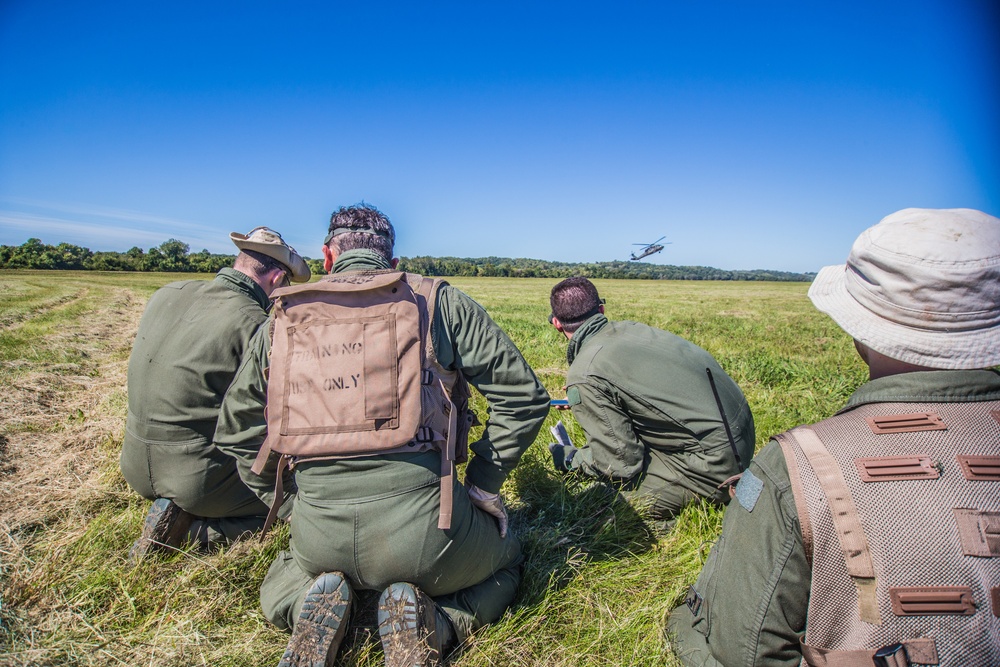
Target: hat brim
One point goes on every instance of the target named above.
(291, 259)
(955, 349)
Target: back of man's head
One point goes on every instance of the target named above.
(922, 287)
(256, 264)
(361, 227)
(573, 302)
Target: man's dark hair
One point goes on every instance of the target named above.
(574, 301)
(257, 264)
(374, 233)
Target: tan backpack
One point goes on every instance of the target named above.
(353, 373)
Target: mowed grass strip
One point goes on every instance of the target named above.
(598, 582)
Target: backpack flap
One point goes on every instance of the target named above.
(345, 366)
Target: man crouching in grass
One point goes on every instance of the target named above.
(663, 420)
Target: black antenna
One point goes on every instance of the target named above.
(725, 422)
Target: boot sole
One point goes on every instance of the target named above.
(321, 624)
(405, 626)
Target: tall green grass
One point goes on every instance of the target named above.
(598, 583)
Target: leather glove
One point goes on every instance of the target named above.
(490, 503)
(562, 456)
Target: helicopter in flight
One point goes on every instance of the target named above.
(648, 249)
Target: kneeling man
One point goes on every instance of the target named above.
(663, 420)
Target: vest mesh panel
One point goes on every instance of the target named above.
(911, 531)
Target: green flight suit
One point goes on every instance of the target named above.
(375, 518)
(754, 589)
(643, 397)
(189, 345)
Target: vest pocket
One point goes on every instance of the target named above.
(341, 376)
(979, 532)
(381, 384)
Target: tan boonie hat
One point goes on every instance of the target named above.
(922, 286)
(268, 242)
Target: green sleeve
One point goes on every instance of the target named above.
(467, 339)
(613, 449)
(242, 426)
(753, 594)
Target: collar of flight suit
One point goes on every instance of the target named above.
(360, 260)
(241, 283)
(580, 336)
(929, 387)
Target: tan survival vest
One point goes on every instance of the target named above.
(899, 505)
(353, 373)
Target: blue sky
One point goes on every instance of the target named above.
(751, 134)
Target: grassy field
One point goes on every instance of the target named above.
(598, 584)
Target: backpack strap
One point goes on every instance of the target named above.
(913, 651)
(788, 447)
(427, 288)
(262, 455)
(279, 492)
(846, 521)
(448, 469)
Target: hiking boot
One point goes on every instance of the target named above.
(321, 624)
(413, 632)
(166, 526)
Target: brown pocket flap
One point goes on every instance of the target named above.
(932, 601)
(890, 468)
(979, 532)
(908, 423)
(980, 468)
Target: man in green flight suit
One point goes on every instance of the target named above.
(372, 521)
(874, 524)
(663, 420)
(189, 345)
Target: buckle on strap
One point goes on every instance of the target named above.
(893, 655)
(426, 377)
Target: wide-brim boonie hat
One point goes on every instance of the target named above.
(922, 286)
(269, 242)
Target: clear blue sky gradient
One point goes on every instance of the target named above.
(751, 134)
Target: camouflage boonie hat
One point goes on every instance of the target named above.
(268, 242)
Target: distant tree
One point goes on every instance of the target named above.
(153, 260)
(32, 254)
(205, 262)
(72, 256)
(174, 255)
(135, 257)
(316, 267)
(110, 261)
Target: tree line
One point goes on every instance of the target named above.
(540, 268)
(176, 256)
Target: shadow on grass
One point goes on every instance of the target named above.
(567, 522)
